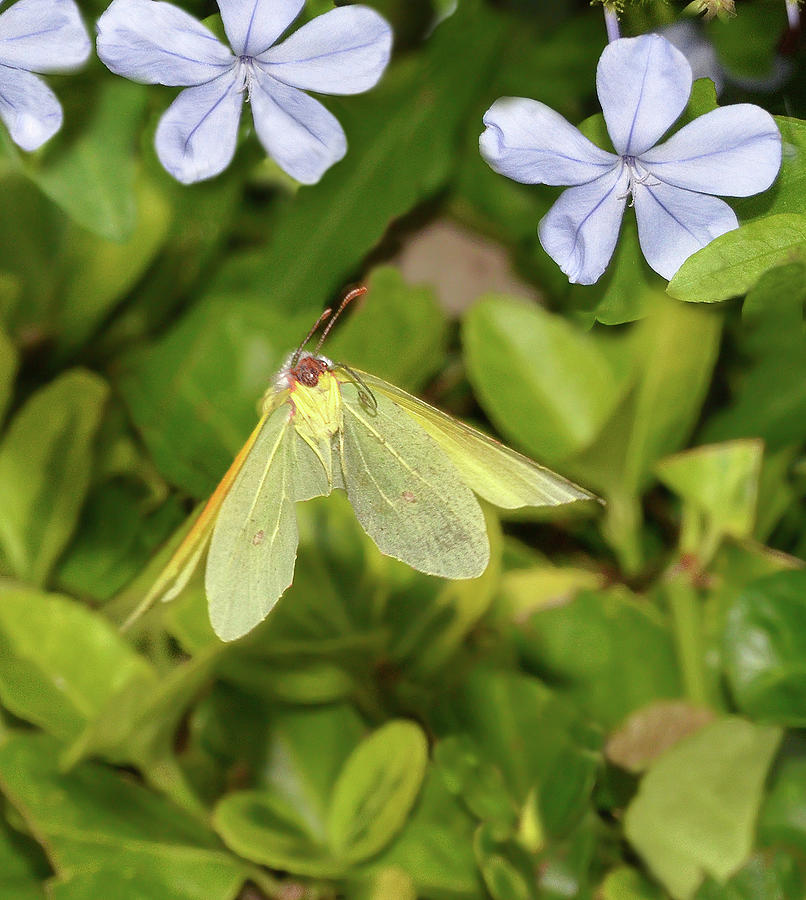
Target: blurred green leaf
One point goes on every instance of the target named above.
(375, 790)
(719, 486)
(60, 663)
(546, 384)
(90, 174)
(8, 371)
(45, 464)
(504, 867)
(765, 648)
(732, 264)
(765, 876)
(93, 819)
(769, 394)
(624, 883)
(23, 866)
(787, 192)
(783, 815)
(610, 653)
(695, 811)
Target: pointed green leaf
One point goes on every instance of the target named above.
(733, 263)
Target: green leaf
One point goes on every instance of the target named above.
(94, 818)
(23, 866)
(787, 192)
(46, 460)
(90, 173)
(769, 395)
(719, 486)
(765, 648)
(625, 883)
(8, 371)
(731, 264)
(783, 816)
(766, 876)
(376, 790)
(265, 827)
(611, 653)
(695, 811)
(547, 385)
(60, 663)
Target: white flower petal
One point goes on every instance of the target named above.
(674, 223)
(196, 136)
(734, 151)
(252, 26)
(43, 36)
(301, 136)
(344, 51)
(28, 107)
(643, 85)
(531, 143)
(158, 43)
(580, 231)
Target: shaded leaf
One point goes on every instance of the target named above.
(45, 464)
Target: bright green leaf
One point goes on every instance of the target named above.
(375, 790)
(695, 811)
(731, 264)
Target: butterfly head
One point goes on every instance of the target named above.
(303, 368)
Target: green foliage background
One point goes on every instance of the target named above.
(614, 710)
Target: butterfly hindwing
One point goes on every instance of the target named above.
(406, 493)
(494, 471)
(254, 543)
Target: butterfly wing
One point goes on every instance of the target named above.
(494, 471)
(182, 564)
(254, 544)
(406, 493)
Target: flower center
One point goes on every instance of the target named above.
(244, 75)
(638, 174)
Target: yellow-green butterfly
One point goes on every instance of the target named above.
(410, 472)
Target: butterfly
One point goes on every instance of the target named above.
(411, 473)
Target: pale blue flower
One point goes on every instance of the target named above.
(37, 36)
(643, 85)
(344, 51)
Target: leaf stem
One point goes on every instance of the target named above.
(687, 626)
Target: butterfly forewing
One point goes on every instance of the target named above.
(254, 544)
(406, 494)
(501, 475)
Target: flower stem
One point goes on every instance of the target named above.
(611, 23)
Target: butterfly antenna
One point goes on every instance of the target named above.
(350, 295)
(309, 335)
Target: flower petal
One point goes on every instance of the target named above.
(344, 51)
(158, 43)
(196, 136)
(28, 107)
(643, 85)
(301, 136)
(43, 36)
(734, 151)
(674, 223)
(252, 26)
(580, 231)
(529, 142)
